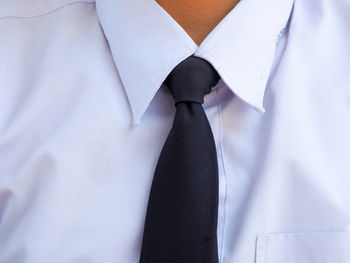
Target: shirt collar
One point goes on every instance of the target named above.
(146, 44)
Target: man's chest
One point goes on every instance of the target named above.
(76, 170)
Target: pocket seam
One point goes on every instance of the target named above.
(261, 249)
(262, 241)
(309, 235)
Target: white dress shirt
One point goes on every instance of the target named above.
(84, 115)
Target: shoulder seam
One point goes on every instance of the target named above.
(46, 11)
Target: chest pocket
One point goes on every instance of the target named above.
(333, 247)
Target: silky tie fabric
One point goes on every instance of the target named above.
(181, 219)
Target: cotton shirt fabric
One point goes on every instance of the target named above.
(84, 115)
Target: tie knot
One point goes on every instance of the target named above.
(191, 79)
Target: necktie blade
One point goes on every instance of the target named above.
(181, 217)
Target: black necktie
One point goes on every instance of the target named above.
(181, 217)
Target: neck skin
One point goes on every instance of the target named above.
(198, 17)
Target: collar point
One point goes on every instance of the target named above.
(136, 121)
(260, 109)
